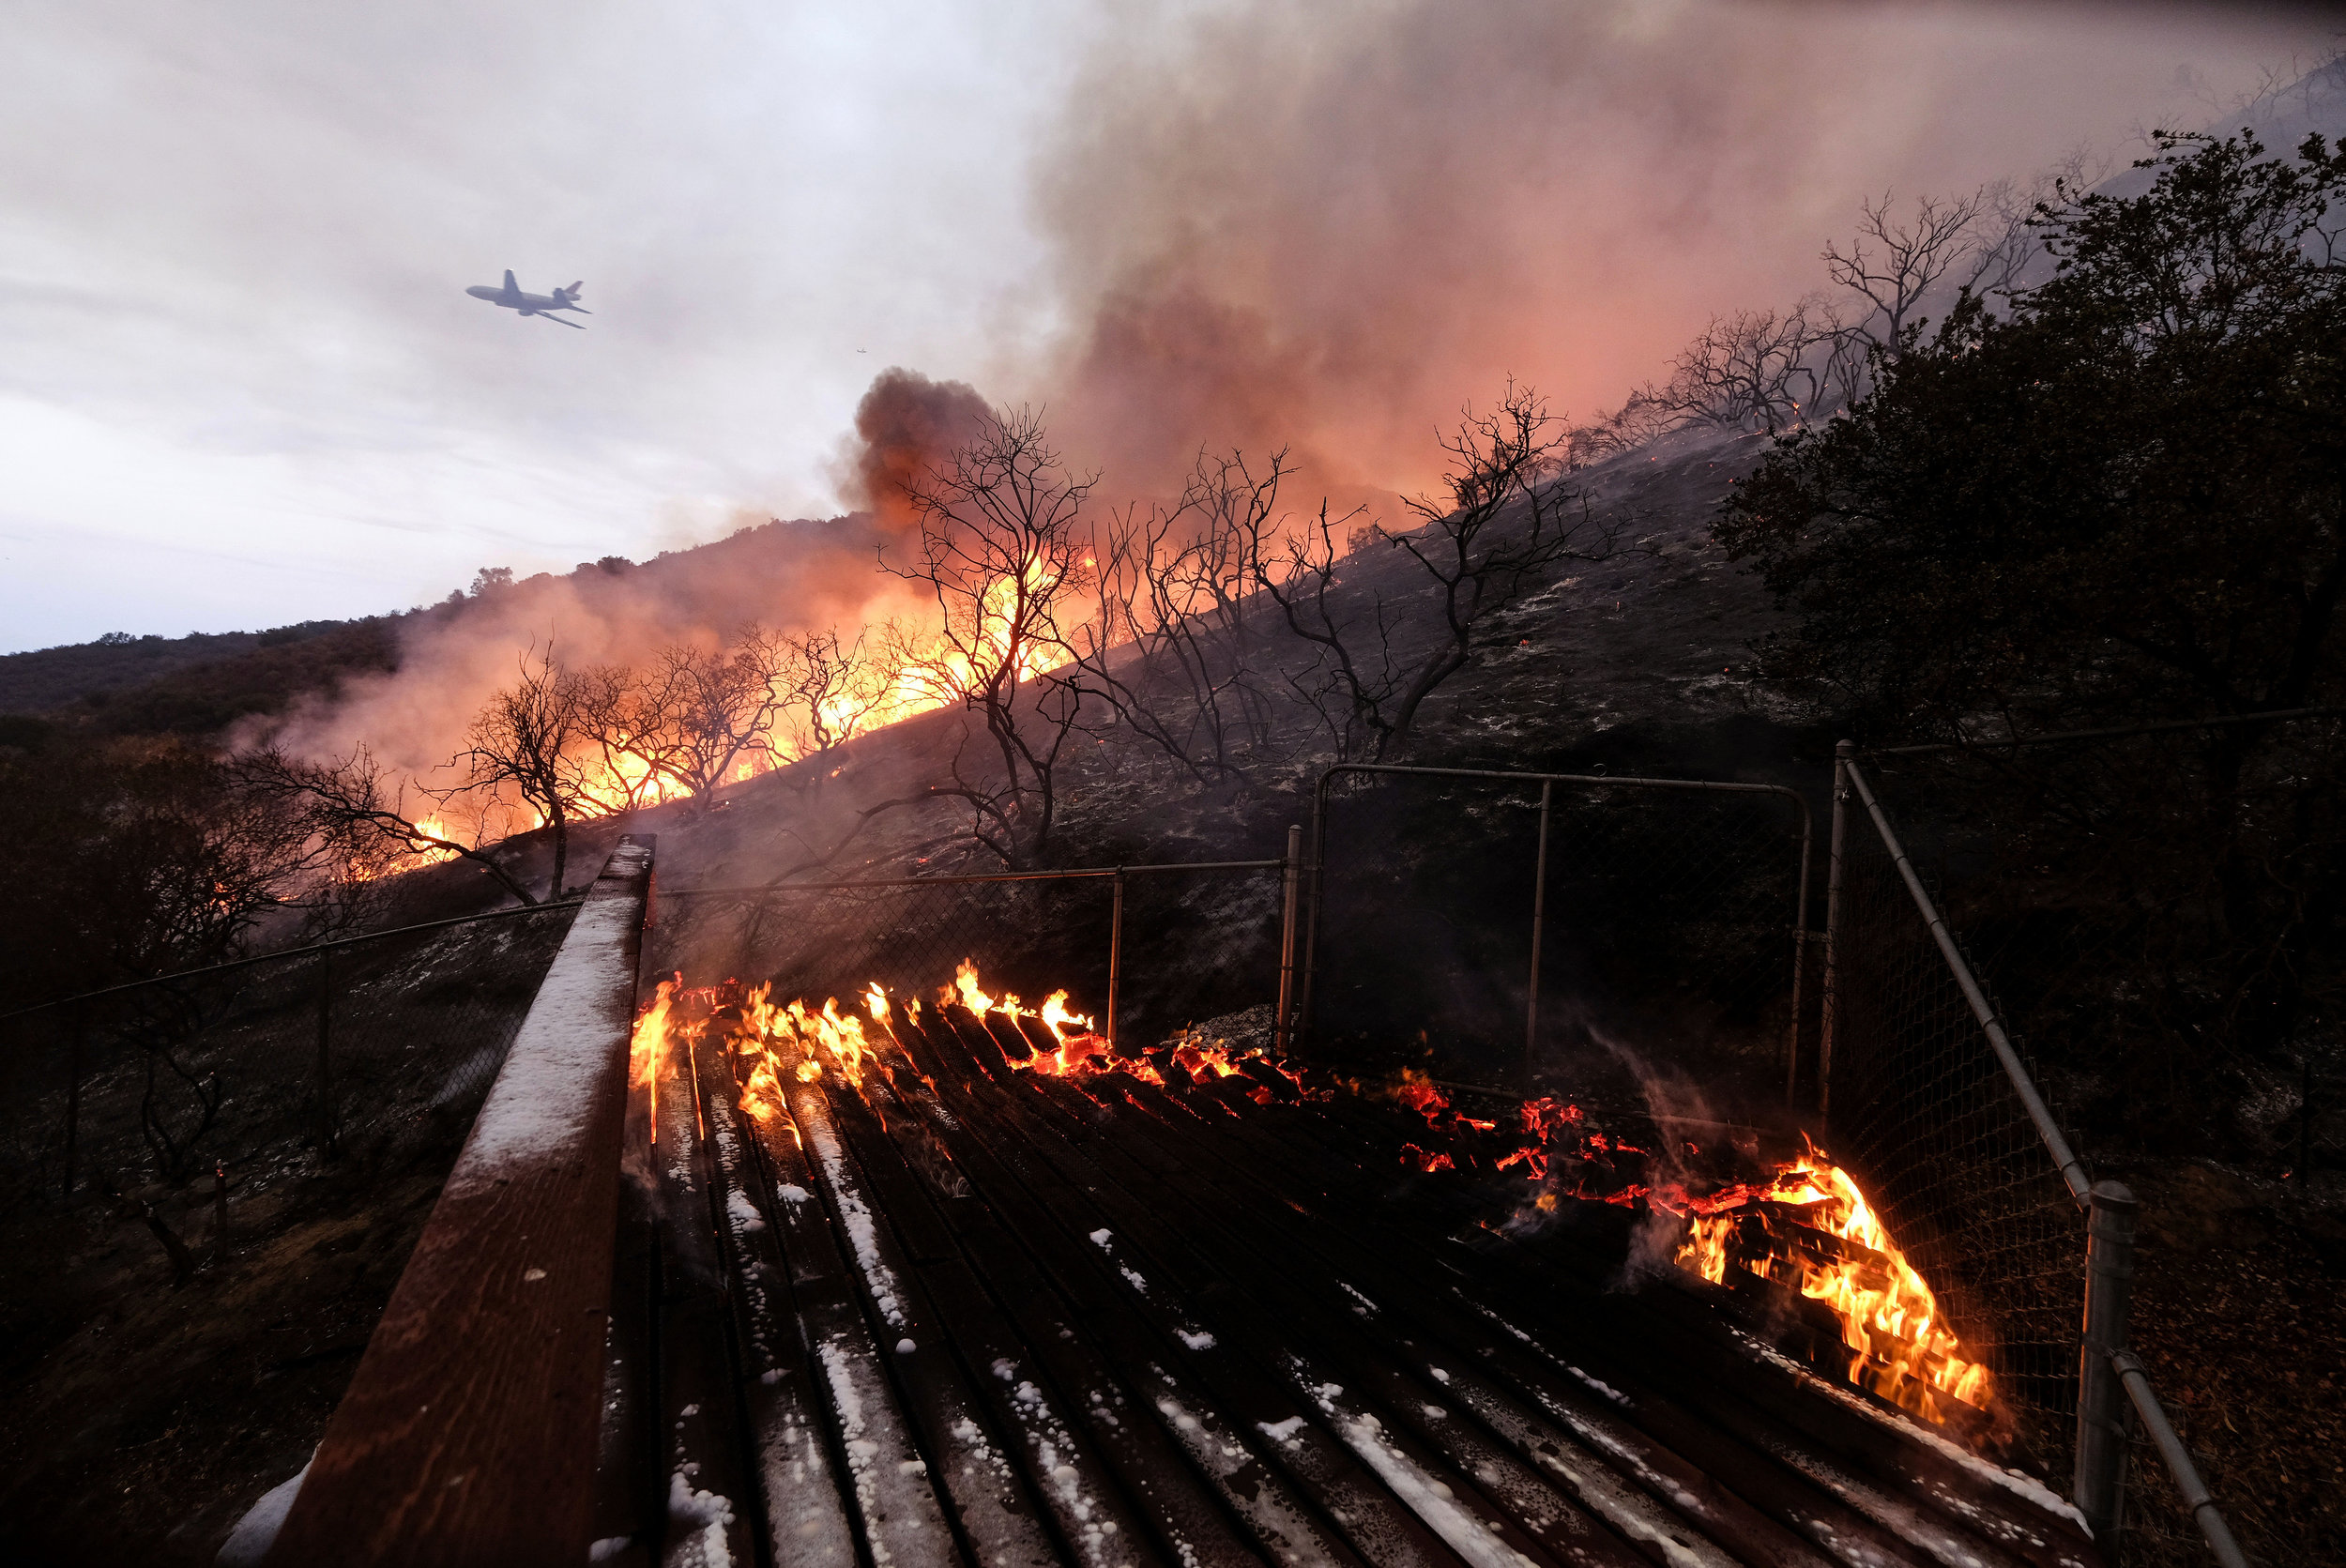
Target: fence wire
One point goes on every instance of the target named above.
(1195, 946)
(1920, 1110)
(2161, 914)
(2158, 919)
(1668, 933)
(372, 1050)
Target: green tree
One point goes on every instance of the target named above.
(2118, 500)
(2121, 500)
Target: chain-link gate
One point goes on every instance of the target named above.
(1919, 1106)
(1569, 931)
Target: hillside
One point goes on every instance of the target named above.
(199, 684)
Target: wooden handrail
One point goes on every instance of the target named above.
(468, 1434)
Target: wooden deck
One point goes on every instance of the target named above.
(964, 1313)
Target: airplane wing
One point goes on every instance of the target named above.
(541, 315)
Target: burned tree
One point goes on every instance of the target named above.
(360, 817)
(686, 723)
(1896, 266)
(527, 740)
(1504, 522)
(1179, 652)
(996, 553)
(829, 690)
(1755, 370)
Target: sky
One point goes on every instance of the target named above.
(241, 385)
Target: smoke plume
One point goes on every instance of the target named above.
(1327, 229)
(904, 426)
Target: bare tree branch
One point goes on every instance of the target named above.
(997, 553)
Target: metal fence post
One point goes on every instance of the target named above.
(1292, 893)
(325, 1035)
(1116, 948)
(2305, 1120)
(2103, 1407)
(1539, 921)
(1831, 1000)
(2204, 1513)
(77, 1018)
(1800, 958)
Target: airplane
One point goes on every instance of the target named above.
(538, 305)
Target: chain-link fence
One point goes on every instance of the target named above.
(1664, 934)
(360, 1048)
(1152, 950)
(2160, 915)
(1919, 1107)
(2163, 914)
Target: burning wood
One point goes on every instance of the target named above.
(1809, 1226)
(1806, 1225)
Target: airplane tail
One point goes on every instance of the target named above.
(510, 286)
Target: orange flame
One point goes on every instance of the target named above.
(647, 1046)
(1888, 1314)
(1078, 1050)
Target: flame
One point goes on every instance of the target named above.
(1888, 1314)
(647, 1046)
(799, 1042)
(1807, 1226)
(1077, 1049)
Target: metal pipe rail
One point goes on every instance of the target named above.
(2100, 1453)
(2204, 1513)
(1547, 782)
(771, 887)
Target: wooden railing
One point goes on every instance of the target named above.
(468, 1434)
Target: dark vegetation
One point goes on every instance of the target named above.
(163, 1372)
(197, 684)
(2121, 500)
(2113, 498)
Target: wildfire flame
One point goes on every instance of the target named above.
(1888, 1314)
(1807, 1226)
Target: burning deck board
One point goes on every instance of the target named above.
(935, 1285)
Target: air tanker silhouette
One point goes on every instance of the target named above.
(538, 305)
